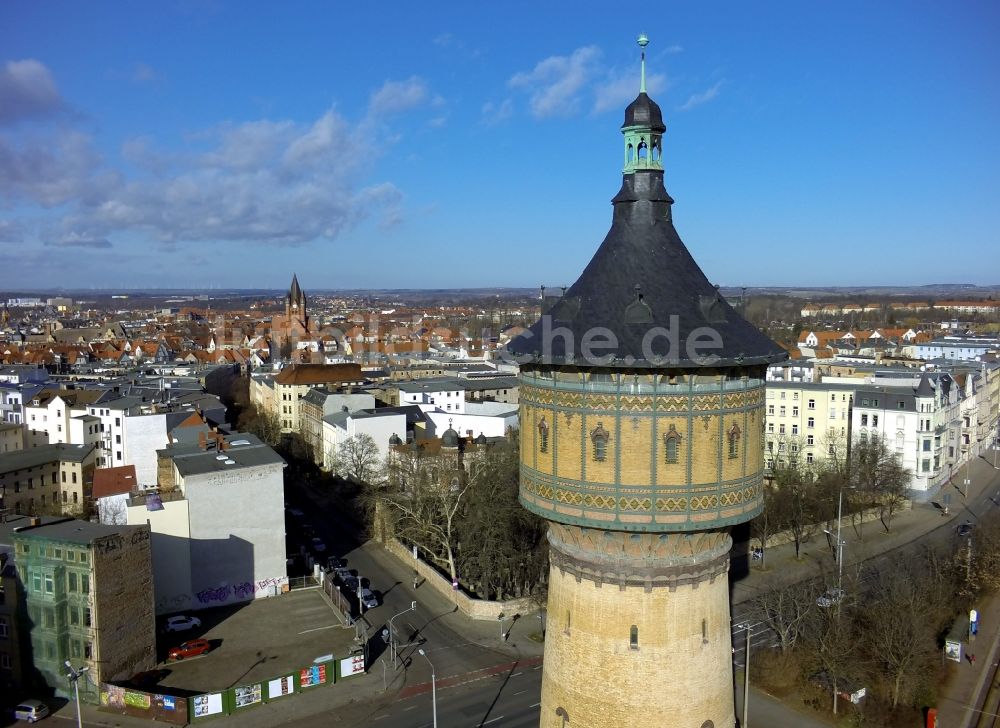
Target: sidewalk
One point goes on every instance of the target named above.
(870, 540)
(957, 704)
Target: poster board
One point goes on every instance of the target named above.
(247, 695)
(206, 705)
(280, 687)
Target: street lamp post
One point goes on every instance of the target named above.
(840, 559)
(434, 696)
(74, 676)
(746, 674)
(392, 635)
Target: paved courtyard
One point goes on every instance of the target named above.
(266, 638)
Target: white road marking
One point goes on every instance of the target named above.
(317, 629)
(516, 674)
(535, 705)
(520, 691)
(492, 720)
(410, 708)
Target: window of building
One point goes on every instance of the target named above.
(927, 446)
(925, 466)
(770, 427)
(671, 440)
(5, 663)
(902, 404)
(36, 581)
(71, 581)
(781, 429)
(782, 395)
(88, 650)
(633, 637)
(811, 404)
(4, 627)
(85, 583)
(809, 458)
(781, 411)
(599, 437)
(795, 411)
(795, 395)
(864, 420)
(809, 440)
(49, 584)
(543, 435)
(734, 441)
(49, 617)
(86, 617)
(74, 648)
(770, 410)
(71, 555)
(74, 616)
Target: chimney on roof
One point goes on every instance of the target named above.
(35, 521)
(220, 442)
(202, 444)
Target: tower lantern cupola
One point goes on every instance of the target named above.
(643, 127)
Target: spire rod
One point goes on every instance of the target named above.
(643, 41)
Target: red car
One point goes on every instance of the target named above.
(191, 648)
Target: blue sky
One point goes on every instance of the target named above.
(191, 144)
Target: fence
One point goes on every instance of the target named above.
(338, 601)
(181, 711)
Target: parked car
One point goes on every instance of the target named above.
(350, 582)
(830, 597)
(181, 623)
(368, 599)
(31, 710)
(191, 648)
(342, 574)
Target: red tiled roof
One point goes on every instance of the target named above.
(114, 481)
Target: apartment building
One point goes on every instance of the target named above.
(48, 478)
(806, 422)
(218, 522)
(89, 600)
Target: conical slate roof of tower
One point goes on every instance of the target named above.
(295, 293)
(924, 388)
(643, 301)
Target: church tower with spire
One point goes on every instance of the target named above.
(642, 414)
(295, 304)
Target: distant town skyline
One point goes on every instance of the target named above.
(227, 145)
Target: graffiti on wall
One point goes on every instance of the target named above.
(240, 592)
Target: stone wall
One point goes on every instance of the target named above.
(474, 608)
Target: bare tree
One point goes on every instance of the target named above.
(358, 458)
(422, 498)
(796, 502)
(902, 647)
(879, 474)
(770, 521)
(786, 610)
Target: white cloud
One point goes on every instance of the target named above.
(396, 96)
(27, 90)
(79, 240)
(675, 48)
(10, 232)
(622, 87)
(497, 113)
(555, 84)
(267, 181)
(701, 97)
(144, 73)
